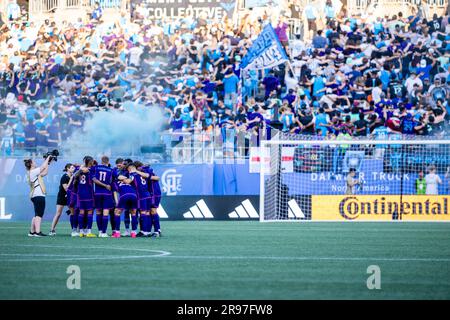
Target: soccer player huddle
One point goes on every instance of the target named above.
(130, 189)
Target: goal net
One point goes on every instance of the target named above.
(331, 180)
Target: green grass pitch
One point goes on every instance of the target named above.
(232, 260)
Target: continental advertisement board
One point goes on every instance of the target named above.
(380, 208)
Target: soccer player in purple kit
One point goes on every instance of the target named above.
(83, 179)
(155, 191)
(115, 173)
(104, 201)
(127, 200)
(121, 169)
(141, 180)
(72, 198)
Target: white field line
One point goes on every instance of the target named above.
(166, 254)
(33, 257)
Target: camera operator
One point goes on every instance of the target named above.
(37, 193)
(351, 182)
(62, 195)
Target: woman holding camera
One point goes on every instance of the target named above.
(61, 199)
(37, 193)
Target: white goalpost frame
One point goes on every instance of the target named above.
(267, 143)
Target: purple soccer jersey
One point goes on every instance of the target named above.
(154, 188)
(103, 174)
(72, 192)
(127, 195)
(86, 191)
(142, 191)
(103, 197)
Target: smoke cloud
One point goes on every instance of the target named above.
(116, 132)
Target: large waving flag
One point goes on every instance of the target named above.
(265, 52)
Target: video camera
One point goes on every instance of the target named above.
(52, 154)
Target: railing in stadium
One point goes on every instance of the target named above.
(360, 6)
(46, 6)
(221, 144)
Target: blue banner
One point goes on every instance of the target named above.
(265, 52)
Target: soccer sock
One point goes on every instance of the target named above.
(141, 222)
(99, 220)
(72, 221)
(146, 223)
(134, 222)
(117, 223)
(90, 220)
(156, 226)
(75, 218)
(127, 219)
(104, 223)
(112, 219)
(85, 222)
(81, 221)
(150, 222)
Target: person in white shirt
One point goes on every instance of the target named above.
(376, 93)
(297, 46)
(432, 180)
(411, 81)
(37, 193)
(12, 10)
(135, 55)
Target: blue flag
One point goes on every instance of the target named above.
(265, 52)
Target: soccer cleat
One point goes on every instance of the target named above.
(81, 234)
(74, 234)
(31, 234)
(90, 235)
(116, 234)
(140, 234)
(156, 234)
(40, 234)
(133, 234)
(103, 235)
(125, 234)
(52, 233)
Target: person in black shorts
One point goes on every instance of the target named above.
(61, 200)
(35, 176)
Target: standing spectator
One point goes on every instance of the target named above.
(319, 41)
(361, 126)
(281, 31)
(330, 12)
(30, 137)
(432, 180)
(351, 182)
(421, 183)
(231, 84)
(322, 120)
(98, 12)
(411, 81)
(271, 83)
(12, 10)
(311, 16)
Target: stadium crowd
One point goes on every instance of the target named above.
(357, 76)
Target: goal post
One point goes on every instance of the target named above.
(354, 180)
